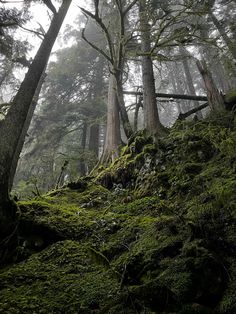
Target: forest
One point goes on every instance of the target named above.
(117, 156)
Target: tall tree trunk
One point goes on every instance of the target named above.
(136, 112)
(82, 166)
(151, 117)
(123, 112)
(174, 82)
(13, 124)
(215, 99)
(113, 136)
(191, 88)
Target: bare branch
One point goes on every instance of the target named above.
(95, 47)
(39, 34)
(104, 28)
(51, 7)
(129, 7)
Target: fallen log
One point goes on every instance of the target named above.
(174, 96)
(184, 115)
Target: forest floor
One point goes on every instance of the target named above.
(153, 233)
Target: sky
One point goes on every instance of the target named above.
(40, 14)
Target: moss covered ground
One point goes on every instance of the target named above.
(153, 233)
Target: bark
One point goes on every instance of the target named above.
(123, 112)
(11, 127)
(151, 117)
(113, 136)
(215, 99)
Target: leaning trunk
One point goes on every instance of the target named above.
(24, 130)
(215, 99)
(12, 126)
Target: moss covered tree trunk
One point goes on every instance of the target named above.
(12, 126)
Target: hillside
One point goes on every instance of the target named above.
(153, 233)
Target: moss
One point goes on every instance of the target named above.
(230, 97)
(152, 233)
(65, 268)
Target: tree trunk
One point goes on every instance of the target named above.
(136, 112)
(218, 69)
(189, 79)
(82, 166)
(94, 138)
(113, 136)
(174, 81)
(215, 99)
(25, 129)
(123, 112)
(13, 124)
(151, 117)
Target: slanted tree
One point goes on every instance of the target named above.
(12, 126)
(215, 99)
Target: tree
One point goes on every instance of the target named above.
(215, 99)
(67, 123)
(116, 41)
(12, 126)
(151, 117)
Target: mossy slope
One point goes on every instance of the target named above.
(158, 235)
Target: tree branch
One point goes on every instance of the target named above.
(103, 27)
(39, 34)
(95, 47)
(129, 7)
(51, 7)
